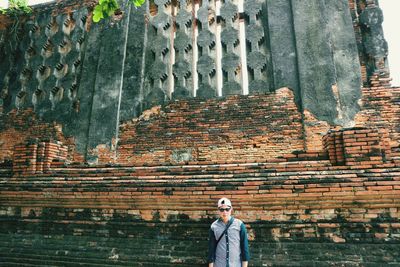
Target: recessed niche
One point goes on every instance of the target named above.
(76, 105)
(38, 96)
(83, 21)
(76, 65)
(64, 47)
(20, 99)
(56, 94)
(51, 28)
(7, 77)
(34, 30)
(25, 76)
(4, 93)
(73, 91)
(68, 26)
(30, 52)
(39, 92)
(47, 49)
(60, 70)
(80, 44)
(43, 73)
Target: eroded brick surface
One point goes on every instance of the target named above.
(111, 214)
(234, 129)
(381, 110)
(21, 127)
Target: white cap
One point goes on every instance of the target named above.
(224, 201)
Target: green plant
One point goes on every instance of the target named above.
(106, 8)
(15, 10)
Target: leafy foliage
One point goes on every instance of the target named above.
(106, 8)
(16, 9)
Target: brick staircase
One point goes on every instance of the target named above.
(296, 212)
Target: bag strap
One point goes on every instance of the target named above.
(226, 229)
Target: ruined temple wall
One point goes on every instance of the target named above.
(266, 153)
(258, 128)
(108, 80)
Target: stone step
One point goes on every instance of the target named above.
(243, 175)
(203, 169)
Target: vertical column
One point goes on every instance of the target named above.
(136, 56)
(257, 60)
(105, 102)
(25, 77)
(26, 74)
(218, 46)
(243, 53)
(76, 70)
(195, 33)
(183, 52)
(49, 55)
(345, 59)
(320, 45)
(38, 94)
(171, 31)
(339, 147)
(207, 46)
(278, 19)
(230, 49)
(61, 68)
(158, 85)
(315, 62)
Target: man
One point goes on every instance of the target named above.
(228, 243)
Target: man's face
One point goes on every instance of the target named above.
(225, 212)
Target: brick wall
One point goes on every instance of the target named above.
(255, 128)
(21, 127)
(381, 110)
(38, 157)
(233, 129)
(360, 147)
(213, 132)
(160, 215)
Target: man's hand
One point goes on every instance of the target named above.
(211, 264)
(245, 263)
